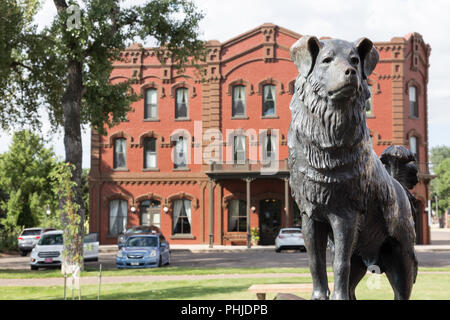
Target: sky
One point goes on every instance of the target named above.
(378, 20)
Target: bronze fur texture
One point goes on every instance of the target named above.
(343, 190)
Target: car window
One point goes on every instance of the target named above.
(142, 242)
(291, 231)
(51, 240)
(31, 232)
(91, 237)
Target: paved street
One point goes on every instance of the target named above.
(243, 259)
(437, 256)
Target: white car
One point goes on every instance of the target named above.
(48, 251)
(290, 238)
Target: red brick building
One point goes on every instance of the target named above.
(206, 160)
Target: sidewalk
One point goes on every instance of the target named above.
(197, 248)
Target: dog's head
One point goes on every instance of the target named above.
(340, 67)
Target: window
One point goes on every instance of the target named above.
(269, 147)
(182, 216)
(237, 216)
(150, 157)
(413, 107)
(269, 95)
(238, 109)
(181, 103)
(180, 153)
(118, 216)
(120, 153)
(369, 111)
(151, 213)
(413, 146)
(151, 104)
(239, 149)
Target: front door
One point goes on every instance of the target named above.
(269, 220)
(151, 213)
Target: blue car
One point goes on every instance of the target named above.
(144, 251)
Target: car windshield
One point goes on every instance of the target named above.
(31, 232)
(142, 242)
(291, 231)
(138, 230)
(51, 239)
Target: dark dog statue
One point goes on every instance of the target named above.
(343, 190)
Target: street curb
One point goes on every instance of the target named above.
(113, 249)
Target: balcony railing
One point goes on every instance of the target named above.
(249, 166)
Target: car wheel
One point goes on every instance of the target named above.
(160, 261)
(23, 253)
(278, 250)
(34, 268)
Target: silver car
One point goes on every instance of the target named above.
(28, 239)
(290, 238)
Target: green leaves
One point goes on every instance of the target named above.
(443, 184)
(24, 177)
(440, 186)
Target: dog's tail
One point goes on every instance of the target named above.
(400, 162)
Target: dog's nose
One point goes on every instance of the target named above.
(350, 72)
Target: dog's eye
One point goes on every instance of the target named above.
(354, 60)
(327, 60)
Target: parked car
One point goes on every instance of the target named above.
(122, 238)
(144, 251)
(28, 239)
(48, 251)
(290, 238)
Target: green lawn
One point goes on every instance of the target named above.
(428, 286)
(93, 272)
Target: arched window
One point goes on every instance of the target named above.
(369, 105)
(413, 146)
(269, 100)
(181, 103)
(150, 155)
(120, 153)
(269, 147)
(413, 105)
(151, 104)
(180, 153)
(118, 216)
(238, 108)
(182, 216)
(237, 215)
(239, 149)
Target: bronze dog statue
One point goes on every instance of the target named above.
(343, 190)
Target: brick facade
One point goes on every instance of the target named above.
(253, 59)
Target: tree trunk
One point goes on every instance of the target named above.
(74, 152)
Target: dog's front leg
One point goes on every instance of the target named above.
(345, 231)
(315, 234)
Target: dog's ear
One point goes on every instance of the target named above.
(304, 53)
(368, 54)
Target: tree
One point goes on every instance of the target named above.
(443, 184)
(24, 179)
(66, 66)
(437, 156)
